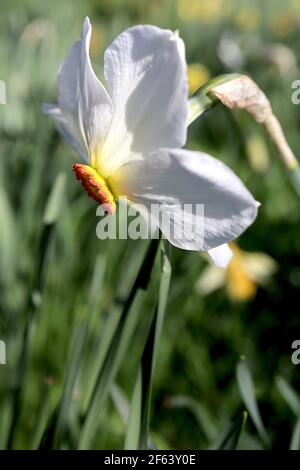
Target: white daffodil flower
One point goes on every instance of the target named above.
(130, 135)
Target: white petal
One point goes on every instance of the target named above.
(64, 129)
(221, 255)
(83, 100)
(145, 70)
(176, 177)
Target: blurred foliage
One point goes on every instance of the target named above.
(195, 388)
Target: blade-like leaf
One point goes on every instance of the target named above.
(295, 178)
(35, 297)
(289, 395)
(246, 387)
(54, 202)
(117, 350)
(113, 318)
(42, 419)
(199, 411)
(59, 419)
(134, 420)
(295, 441)
(120, 401)
(230, 436)
(7, 237)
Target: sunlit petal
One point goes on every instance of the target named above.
(64, 128)
(145, 70)
(82, 98)
(173, 178)
(221, 255)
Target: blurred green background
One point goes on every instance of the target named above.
(213, 317)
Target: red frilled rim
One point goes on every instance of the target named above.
(95, 186)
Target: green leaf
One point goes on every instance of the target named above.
(230, 436)
(199, 411)
(7, 238)
(120, 401)
(42, 419)
(246, 387)
(114, 316)
(289, 394)
(34, 300)
(134, 420)
(117, 349)
(72, 369)
(54, 203)
(295, 441)
(294, 174)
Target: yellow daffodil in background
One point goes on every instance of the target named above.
(244, 274)
(201, 10)
(240, 281)
(198, 74)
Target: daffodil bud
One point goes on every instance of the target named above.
(237, 91)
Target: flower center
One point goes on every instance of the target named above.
(96, 186)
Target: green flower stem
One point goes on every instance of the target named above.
(150, 354)
(203, 100)
(137, 433)
(117, 349)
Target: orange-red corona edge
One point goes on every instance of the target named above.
(95, 186)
